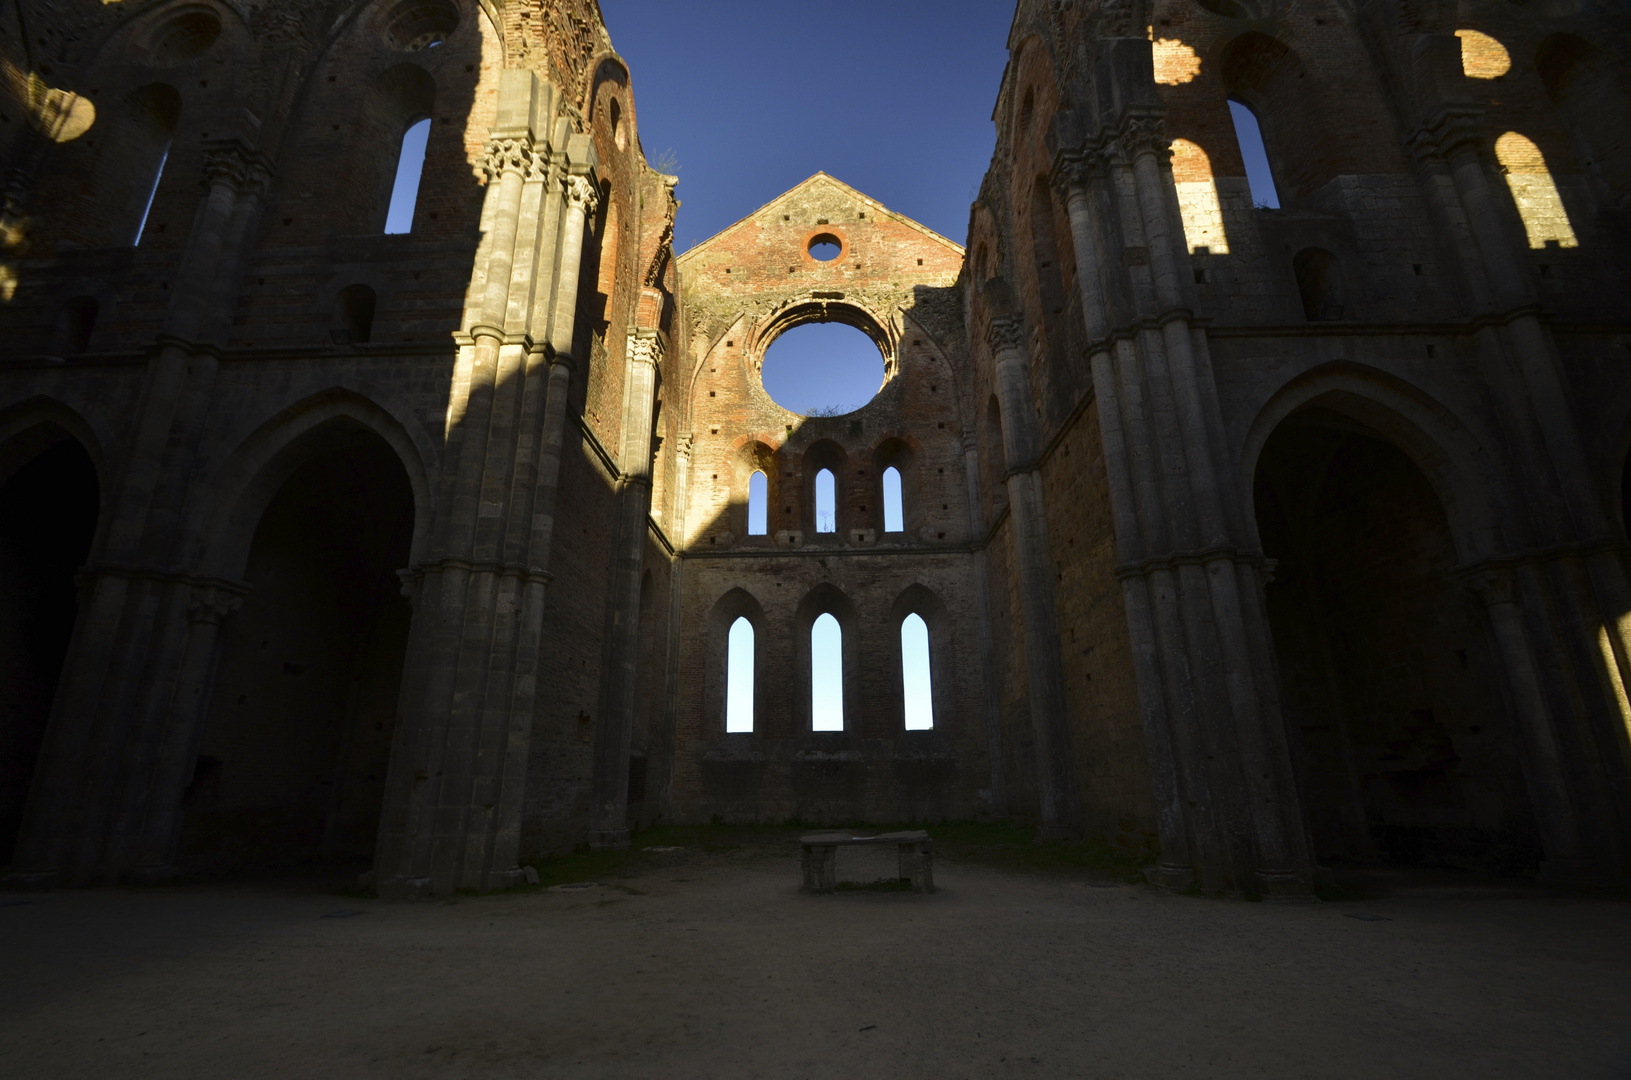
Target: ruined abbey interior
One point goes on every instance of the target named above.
(1255, 522)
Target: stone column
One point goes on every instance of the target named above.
(458, 773)
(94, 784)
(1055, 761)
(1542, 759)
(1226, 805)
(982, 603)
(1576, 536)
(608, 828)
(207, 609)
(674, 525)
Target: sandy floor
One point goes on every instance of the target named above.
(718, 967)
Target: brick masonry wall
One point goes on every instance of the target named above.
(742, 288)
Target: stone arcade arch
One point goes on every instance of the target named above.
(1405, 747)
(49, 506)
(292, 752)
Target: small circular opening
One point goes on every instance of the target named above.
(184, 37)
(418, 25)
(825, 247)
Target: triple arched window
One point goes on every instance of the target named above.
(826, 645)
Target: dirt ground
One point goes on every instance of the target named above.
(687, 964)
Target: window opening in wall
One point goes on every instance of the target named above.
(826, 502)
(405, 191)
(826, 675)
(822, 369)
(355, 305)
(758, 497)
(1319, 279)
(825, 247)
(147, 207)
(914, 665)
(1535, 195)
(893, 519)
(1256, 156)
(78, 321)
(739, 677)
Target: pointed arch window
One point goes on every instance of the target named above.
(826, 500)
(758, 504)
(826, 674)
(1256, 156)
(894, 516)
(409, 166)
(739, 677)
(915, 679)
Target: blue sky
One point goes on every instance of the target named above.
(894, 98)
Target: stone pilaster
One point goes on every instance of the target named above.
(978, 530)
(133, 646)
(1226, 800)
(458, 776)
(1055, 762)
(1565, 524)
(613, 736)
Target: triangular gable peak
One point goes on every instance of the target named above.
(821, 199)
(821, 243)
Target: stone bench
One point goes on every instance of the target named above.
(821, 857)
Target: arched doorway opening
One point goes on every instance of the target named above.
(1405, 752)
(48, 512)
(292, 758)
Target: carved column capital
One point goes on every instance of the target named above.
(226, 164)
(683, 444)
(1448, 134)
(646, 347)
(212, 604)
(508, 155)
(581, 193)
(1143, 135)
(1494, 585)
(1005, 333)
(1075, 172)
